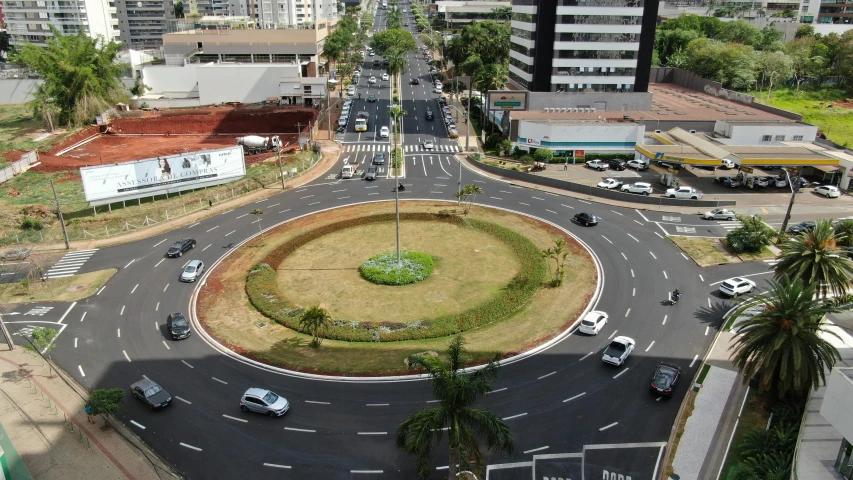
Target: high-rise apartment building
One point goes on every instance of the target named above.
(29, 21)
(836, 12)
(143, 22)
(582, 45)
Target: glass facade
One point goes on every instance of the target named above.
(844, 462)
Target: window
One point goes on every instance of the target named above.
(766, 138)
(798, 138)
(780, 138)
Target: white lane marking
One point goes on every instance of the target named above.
(683, 255)
(212, 229)
(536, 449)
(205, 248)
(635, 238)
(284, 211)
(166, 345)
(504, 191)
(514, 416)
(66, 312)
(650, 346)
(707, 328)
(75, 342)
(158, 243)
(315, 203)
(336, 191)
(626, 313)
(158, 263)
(608, 426)
(664, 320)
(187, 364)
(709, 302)
(623, 256)
(84, 316)
(164, 288)
(306, 196)
(343, 198)
(128, 263)
(366, 471)
(641, 214)
(184, 400)
(611, 335)
(742, 276)
(555, 213)
(137, 424)
(373, 433)
(632, 273)
(241, 216)
(101, 290)
(125, 355)
(235, 418)
(300, 430)
(620, 373)
(191, 226)
(190, 447)
(496, 391)
(661, 236)
(634, 292)
(496, 198)
(318, 403)
(118, 330)
(701, 278)
(525, 204)
(695, 357)
(585, 356)
(607, 239)
(275, 465)
(653, 255)
(638, 222)
(546, 375)
(157, 308)
(575, 397)
(567, 206)
(665, 275)
(377, 405)
(134, 288)
(220, 381)
(81, 370)
(122, 312)
(537, 198)
(433, 401)
(588, 203)
(229, 233)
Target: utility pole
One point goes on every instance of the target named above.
(280, 169)
(59, 214)
(790, 204)
(329, 112)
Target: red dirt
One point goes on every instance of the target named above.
(171, 132)
(844, 104)
(13, 155)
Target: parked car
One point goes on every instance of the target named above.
(371, 98)
(639, 187)
(379, 159)
(684, 192)
(665, 378)
(428, 144)
(264, 401)
(151, 394)
(609, 183)
(801, 227)
(828, 191)
(192, 271)
(593, 322)
(727, 164)
(17, 253)
(617, 352)
(178, 326)
(637, 165)
(586, 219)
(599, 165)
(730, 182)
(781, 182)
(720, 214)
(180, 247)
(737, 286)
(371, 173)
(351, 90)
(617, 164)
(452, 132)
(384, 132)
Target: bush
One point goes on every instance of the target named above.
(31, 224)
(493, 140)
(383, 269)
(543, 155)
(751, 237)
(527, 159)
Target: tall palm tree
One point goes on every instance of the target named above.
(782, 346)
(313, 320)
(489, 77)
(397, 113)
(844, 233)
(456, 392)
(816, 258)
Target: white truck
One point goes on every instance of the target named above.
(361, 121)
(254, 144)
(348, 171)
(684, 192)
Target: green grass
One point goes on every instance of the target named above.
(18, 129)
(817, 109)
(702, 375)
(753, 417)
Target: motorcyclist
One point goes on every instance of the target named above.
(400, 187)
(676, 296)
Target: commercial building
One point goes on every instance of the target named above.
(29, 21)
(571, 46)
(457, 14)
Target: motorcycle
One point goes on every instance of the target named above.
(401, 188)
(674, 298)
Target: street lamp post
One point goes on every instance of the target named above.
(790, 204)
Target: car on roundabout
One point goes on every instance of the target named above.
(586, 219)
(665, 377)
(180, 247)
(192, 271)
(151, 393)
(639, 187)
(264, 401)
(593, 322)
(609, 183)
(178, 326)
(720, 214)
(617, 352)
(736, 286)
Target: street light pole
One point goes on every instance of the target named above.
(790, 205)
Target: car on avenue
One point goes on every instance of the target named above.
(452, 132)
(801, 227)
(828, 191)
(151, 394)
(384, 132)
(586, 219)
(371, 98)
(371, 173)
(415, 81)
(736, 286)
(379, 159)
(264, 401)
(599, 165)
(617, 352)
(593, 322)
(384, 77)
(180, 247)
(178, 326)
(720, 214)
(429, 115)
(684, 192)
(371, 80)
(665, 377)
(609, 183)
(192, 271)
(428, 144)
(639, 187)
(637, 164)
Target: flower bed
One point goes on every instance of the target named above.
(383, 269)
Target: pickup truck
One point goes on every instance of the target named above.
(599, 165)
(684, 192)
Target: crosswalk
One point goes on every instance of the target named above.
(367, 147)
(70, 263)
(384, 147)
(731, 225)
(438, 148)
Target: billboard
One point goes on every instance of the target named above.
(507, 100)
(155, 176)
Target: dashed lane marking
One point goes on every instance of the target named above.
(159, 243)
(608, 426)
(125, 355)
(184, 400)
(650, 346)
(608, 240)
(303, 430)
(220, 381)
(567, 206)
(212, 229)
(546, 375)
(318, 403)
(620, 373)
(695, 357)
(79, 367)
(137, 424)
(229, 233)
(514, 416)
(496, 391)
(166, 345)
(158, 263)
(187, 364)
(190, 447)
(275, 465)
(575, 397)
(235, 418)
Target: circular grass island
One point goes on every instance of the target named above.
(483, 276)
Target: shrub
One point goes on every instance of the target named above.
(527, 159)
(31, 224)
(543, 155)
(493, 140)
(383, 269)
(752, 236)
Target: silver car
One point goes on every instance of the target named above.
(264, 401)
(192, 271)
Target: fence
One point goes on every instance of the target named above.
(194, 203)
(18, 167)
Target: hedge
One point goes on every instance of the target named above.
(262, 286)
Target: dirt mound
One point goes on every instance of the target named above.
(13, 155)
(236, 122)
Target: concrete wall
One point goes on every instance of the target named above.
(17, 91)
(164, 78)
(746, 134)
(837, 405)
(241, 83)
(599, 101)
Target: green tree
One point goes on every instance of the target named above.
(501, 13)
(752, 236)
(543, 155)
(105, 401)
(558, 253)
(257, 213)
(457, 391)
(41, 343)
(844, 233)
(179, 9)
(81, 75)
(505, 147)
(774, 67)
(782, 346)
(315, 320)
(816, 258)
(467, 196)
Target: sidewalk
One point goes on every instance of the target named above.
(44, 419)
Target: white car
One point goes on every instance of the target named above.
(598, 165)
(762, 181)
(736, 286)
(684, 192)
(351, 90)
(384, 132)
(593, 322)
(384, 77)
(638, 165)
(428, 144)
(617, 352)
(828, 191)
(609, 183)
(639, 187)
(781, 182)
(371, 80)
(720, 214)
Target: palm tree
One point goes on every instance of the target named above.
(397, 113)
(782, 346)
(313, 320)
(490, 77)
(468, 194)
(456, 391)
(844, 233)
(501, 13)
(257, 213)
(815, 258)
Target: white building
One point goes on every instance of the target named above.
(29, 21)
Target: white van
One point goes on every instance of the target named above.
(348, 171)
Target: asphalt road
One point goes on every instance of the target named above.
(562, 401)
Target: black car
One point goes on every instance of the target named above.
(379, 159)
(429, 115)
(178, 326)
(385, 62)
(617, 164)
(371, 173)
(665, 378)
(152, 394)
(586, 219)
(371, 98)
(181, 246)
(801, 227)
(415, 81)
(442, 100)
